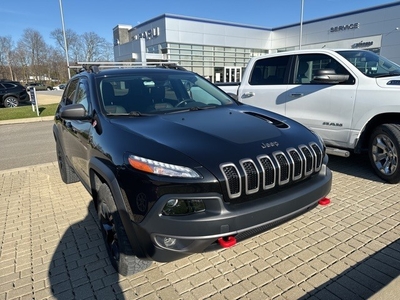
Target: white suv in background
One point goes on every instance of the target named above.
(351, 98)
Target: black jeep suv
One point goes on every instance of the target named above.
(175, 166)
(12, 93)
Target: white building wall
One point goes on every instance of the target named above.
(185, 31)
(377, 25)
(373, 22)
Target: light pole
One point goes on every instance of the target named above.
(301, 23)
(65, 38)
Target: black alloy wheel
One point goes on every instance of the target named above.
(118, 247)
(10, 101)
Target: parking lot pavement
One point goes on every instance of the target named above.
(51, 247)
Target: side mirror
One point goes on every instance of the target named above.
(329, 76)
(74, 112)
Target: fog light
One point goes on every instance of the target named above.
(181, 207)
(169, 242)
(172, 203)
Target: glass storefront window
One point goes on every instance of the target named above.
(229, 50)
(205, 59)
(173, 57)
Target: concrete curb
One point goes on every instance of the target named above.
(27, 120)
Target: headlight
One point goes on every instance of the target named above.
(161, 168)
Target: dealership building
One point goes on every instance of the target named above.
(220, 50)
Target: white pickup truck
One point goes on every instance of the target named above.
(351, 98)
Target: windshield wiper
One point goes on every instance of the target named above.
(202, 107)
(136, 113)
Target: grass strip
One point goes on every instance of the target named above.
(23, 112)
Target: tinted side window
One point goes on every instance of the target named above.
(9, 85)
(82, 95)
(69, 93)
(269, 71)
(308, 64)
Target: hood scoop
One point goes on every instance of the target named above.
(275, 122)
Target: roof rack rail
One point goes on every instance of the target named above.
(94, 67)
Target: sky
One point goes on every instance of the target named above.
(101, 16)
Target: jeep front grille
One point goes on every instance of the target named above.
(269, 171)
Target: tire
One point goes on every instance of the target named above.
(118, 246)
(384, 151)
(67, 173)
(10, 101)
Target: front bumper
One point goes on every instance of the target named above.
(200, 232)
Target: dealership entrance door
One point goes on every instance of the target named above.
(228, 74)
(233, 74)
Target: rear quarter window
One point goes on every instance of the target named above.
(269, 71)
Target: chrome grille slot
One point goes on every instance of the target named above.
(268, 172)
(309, 165)
(252, 176)
(297, 163)
(233, 180)
(318, 156)
(283, 167)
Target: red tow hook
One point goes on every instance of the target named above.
(324, 201)
(227, 241)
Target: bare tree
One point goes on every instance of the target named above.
(32, 57)
(33, 44)
(21, 62)
(57, 67)
(94, 47)
(6, 45)
(72, 39)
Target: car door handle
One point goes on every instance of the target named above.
(248, 95)
(297, 95)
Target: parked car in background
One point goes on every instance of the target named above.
(38, 86)
(175, 166)
(12, 93)
(59, 87)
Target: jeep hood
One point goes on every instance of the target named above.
(214, 136)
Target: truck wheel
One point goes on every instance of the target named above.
(118, 246)
(67, 173)
(10, 101)
(384, 150)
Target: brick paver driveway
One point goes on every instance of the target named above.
(51, 247)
